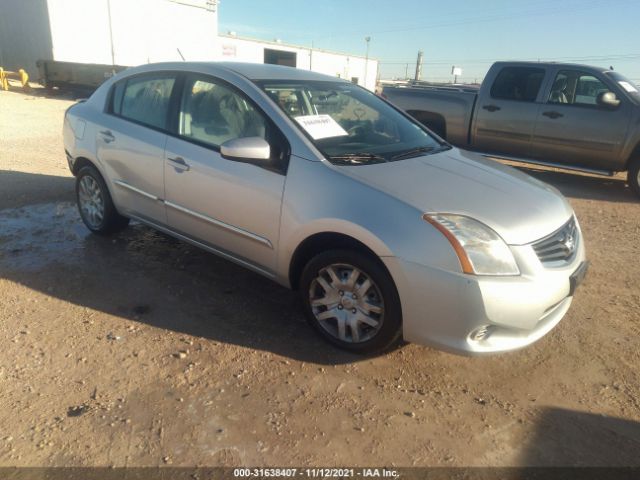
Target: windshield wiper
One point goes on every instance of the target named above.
(358, 158)
(415, 152)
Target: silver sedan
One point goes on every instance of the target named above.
(387, 231)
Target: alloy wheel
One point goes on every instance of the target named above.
(91, 201)
(347, 303)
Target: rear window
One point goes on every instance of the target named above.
(144, 99)
(518, 83)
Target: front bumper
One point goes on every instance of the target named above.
(476, 315)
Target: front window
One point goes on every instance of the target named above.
(212, 113)
(574, 87)
(349, 124)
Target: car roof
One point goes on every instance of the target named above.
(259, 71)
(252, 71)
(520, 63)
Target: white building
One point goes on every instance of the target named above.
(355, 68)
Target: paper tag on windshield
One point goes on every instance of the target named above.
(628, 87)
(321, 126)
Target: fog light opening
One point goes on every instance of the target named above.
(481, 333)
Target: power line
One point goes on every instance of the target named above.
(576, 8)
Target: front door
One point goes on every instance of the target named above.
(231, 206)
(573, 128)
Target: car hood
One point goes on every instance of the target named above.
(518, 207)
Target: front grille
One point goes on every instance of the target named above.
(560, 246)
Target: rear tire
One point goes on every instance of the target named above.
(633, 175)
(351, 300)
(95, 205)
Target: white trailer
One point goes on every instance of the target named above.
(106, 32)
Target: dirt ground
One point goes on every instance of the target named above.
(141, 350)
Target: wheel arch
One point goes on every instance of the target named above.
(81, 162)
(323, 241)
(432, 120)
(633, 156)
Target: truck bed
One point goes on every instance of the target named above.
(454, 106)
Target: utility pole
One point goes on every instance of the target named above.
(113, 53)
(366, 61)
(419, 65)
(406, 72)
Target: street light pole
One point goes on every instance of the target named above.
(366, 61)
(113, 53)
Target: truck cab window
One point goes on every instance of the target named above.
(573, 87)
(518, 83)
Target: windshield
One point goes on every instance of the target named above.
(625, 84)
(349, 124)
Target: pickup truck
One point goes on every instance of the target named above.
(570, 116)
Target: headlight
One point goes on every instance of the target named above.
(480, 250)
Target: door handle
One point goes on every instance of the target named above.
(552, 114)
(107, 136)
(491, 108)
(179, 164)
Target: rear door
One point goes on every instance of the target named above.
(228, 205)
(131, 141)
(573, 128)
(506, 115)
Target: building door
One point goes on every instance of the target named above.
(280, 57)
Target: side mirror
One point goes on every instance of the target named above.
(246, 148)
(608, 99)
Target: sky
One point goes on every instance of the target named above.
(465, 33)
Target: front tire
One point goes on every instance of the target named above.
(351, 300)
(95, 204)
(633, 176)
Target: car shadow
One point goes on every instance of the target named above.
(578, 185)
(568, 438)
(20, 188)
(145, 276)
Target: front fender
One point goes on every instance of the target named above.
(383, 223)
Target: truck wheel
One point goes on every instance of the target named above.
(633, 175)
(95, 205)
(352, 301)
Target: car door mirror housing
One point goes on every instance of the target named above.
(246, 148)
(608, 99)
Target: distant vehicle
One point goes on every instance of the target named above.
(320, 185)
(570, 116)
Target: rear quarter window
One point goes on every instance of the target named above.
(143, 99)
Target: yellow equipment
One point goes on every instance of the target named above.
(20, 75)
